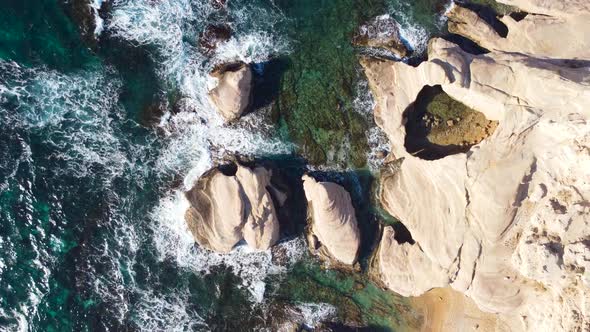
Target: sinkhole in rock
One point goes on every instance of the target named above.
(438, 126)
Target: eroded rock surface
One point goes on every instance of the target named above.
(557, 35)
(333, 229)
(507, 223)
(233, 93)
(224, 209)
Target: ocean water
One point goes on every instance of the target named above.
(104, 128)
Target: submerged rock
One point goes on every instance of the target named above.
(219, 4)
(382, 32)
(333, 231)
(507, 222)
(225, 209)
(85, 14)
(214, 35)
(233, 93)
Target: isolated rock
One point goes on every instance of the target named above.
(213, 35)
(333, 222)
(233, 92)
(507, 222)
(224, 209)
(381, 32)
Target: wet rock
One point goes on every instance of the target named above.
(492, 228)
(213, 35)
(233, 93)
(381, 32)
(219, 4)
(333, 225)
(85, 14)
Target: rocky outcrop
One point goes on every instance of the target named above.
(405, 267)
(381, 32)
(224, 209)
(233, 93)
(556, 35)
(213, 35)
(219, 4)
(507, 223)
(333, 229)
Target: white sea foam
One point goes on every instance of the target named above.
(166, 313)
(413, 34)
(193, 143)
(315, 313)
(364, 103)
(254, 47)
(98, 21)
(78, 112)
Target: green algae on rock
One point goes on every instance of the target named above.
(359, 302)
(317, 89)
(438, 125)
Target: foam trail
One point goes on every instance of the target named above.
(166, 313)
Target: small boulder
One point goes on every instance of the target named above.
(333, 231)
(233, 93)
(381, 32)
(225, 209)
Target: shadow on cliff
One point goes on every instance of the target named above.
(416, 141)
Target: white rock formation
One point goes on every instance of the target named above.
(333, 220)
(508, 222)
(556, 36)
(226, 209)
(261, 230)
(233, 92)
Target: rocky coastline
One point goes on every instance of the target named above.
(492, 188)
(507, 221)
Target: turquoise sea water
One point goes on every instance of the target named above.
(99, 139)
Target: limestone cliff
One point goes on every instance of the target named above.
(506, 223)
